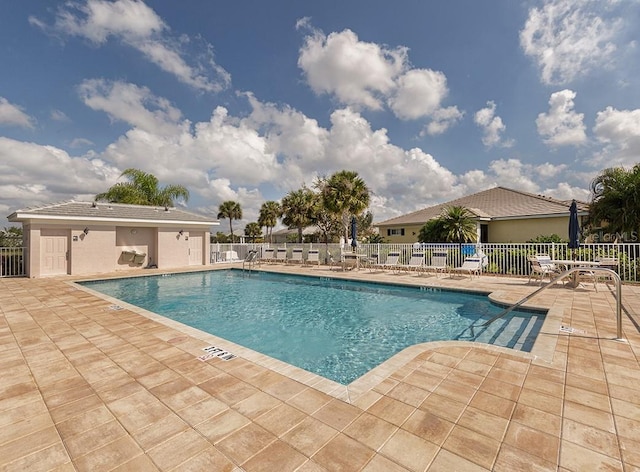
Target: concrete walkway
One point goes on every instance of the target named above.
(88, 386)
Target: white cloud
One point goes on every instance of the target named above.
(139, 27)
(565, 191)
(562, 126)
(59, 115)
(619, 131)
(134, 105)
(492, 126)
(356, 72)
(80, 142)
(418, 94)
(13, 115)
(568, 38)
(442, 120)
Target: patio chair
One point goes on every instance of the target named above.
(471, 266)
(281, 255)
(296, 256)
(313, 257)
(392, 262)
(267, 255)
(416, 263)
(538, 270)
(438, 262)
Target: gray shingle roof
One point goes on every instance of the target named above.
(89, 211)
(495, 203)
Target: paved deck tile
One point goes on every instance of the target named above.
(89, 388)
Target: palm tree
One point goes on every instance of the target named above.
(270, 211)
(231, 210)
(344, 194)
(252, 231)
(616, 200)
(458, 225)
(297, 208)
(142, 188)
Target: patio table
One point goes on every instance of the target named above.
(575, 263)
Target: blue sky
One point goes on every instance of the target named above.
(248, 100)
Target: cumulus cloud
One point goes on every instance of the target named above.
(356, 72)
(568, 38)
(136, 25)
(366, 75)
(134, 105)
(619, 132)
(418, 94)
(562, 126)
(492, 126)
(13, 115)
(442, 120)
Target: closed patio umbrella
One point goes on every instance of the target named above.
(354, 233)
(574, 228)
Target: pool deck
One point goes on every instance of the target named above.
(90, 386)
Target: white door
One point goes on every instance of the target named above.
(53, 254)
(195, 250)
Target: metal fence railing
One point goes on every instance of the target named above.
(12, 261)
(502, 258)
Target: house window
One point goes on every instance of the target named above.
(395, 231)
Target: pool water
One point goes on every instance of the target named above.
(335, 328)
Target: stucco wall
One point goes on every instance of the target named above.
(92, 252)
(173, 248)
(134, 239)
(520, 231)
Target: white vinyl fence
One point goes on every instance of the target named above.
(509, 259)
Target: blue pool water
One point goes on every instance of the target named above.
(335, 328)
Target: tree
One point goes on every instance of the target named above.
(344, 194)
(270, 211)
(142, 188)
(253, 231)
(616, 200)
(231, 210)
(297, 208)
(458, 225)
(11, 237)
(432, 232)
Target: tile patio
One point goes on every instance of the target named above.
(89, 388)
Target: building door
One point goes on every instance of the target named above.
(195, 250)
(53, 252)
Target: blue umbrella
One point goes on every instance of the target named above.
(354, 233)
(574, 227)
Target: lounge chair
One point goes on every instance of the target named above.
(390, 262)
(296, 256)
(471, 266)
(267, 255)
(416, 263)
(538, 270)
(281, 255)
(313, 257)
(438, 262)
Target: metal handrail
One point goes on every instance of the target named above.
(614, 276)
(251, 259)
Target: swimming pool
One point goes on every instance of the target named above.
(335, 328)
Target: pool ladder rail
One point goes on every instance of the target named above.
(611, 273)
(250, 261)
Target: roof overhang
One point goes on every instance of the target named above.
(19, 217)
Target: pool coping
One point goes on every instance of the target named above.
(542, 350)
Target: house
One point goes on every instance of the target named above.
(502, 215)
(78, 238)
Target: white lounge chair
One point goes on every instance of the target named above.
(281, 255)
(296, 256)
(267, 255)
(471, 266)
(538, 270)
(374, 264)
(416, 263)
(313, 257)
(438, 262)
